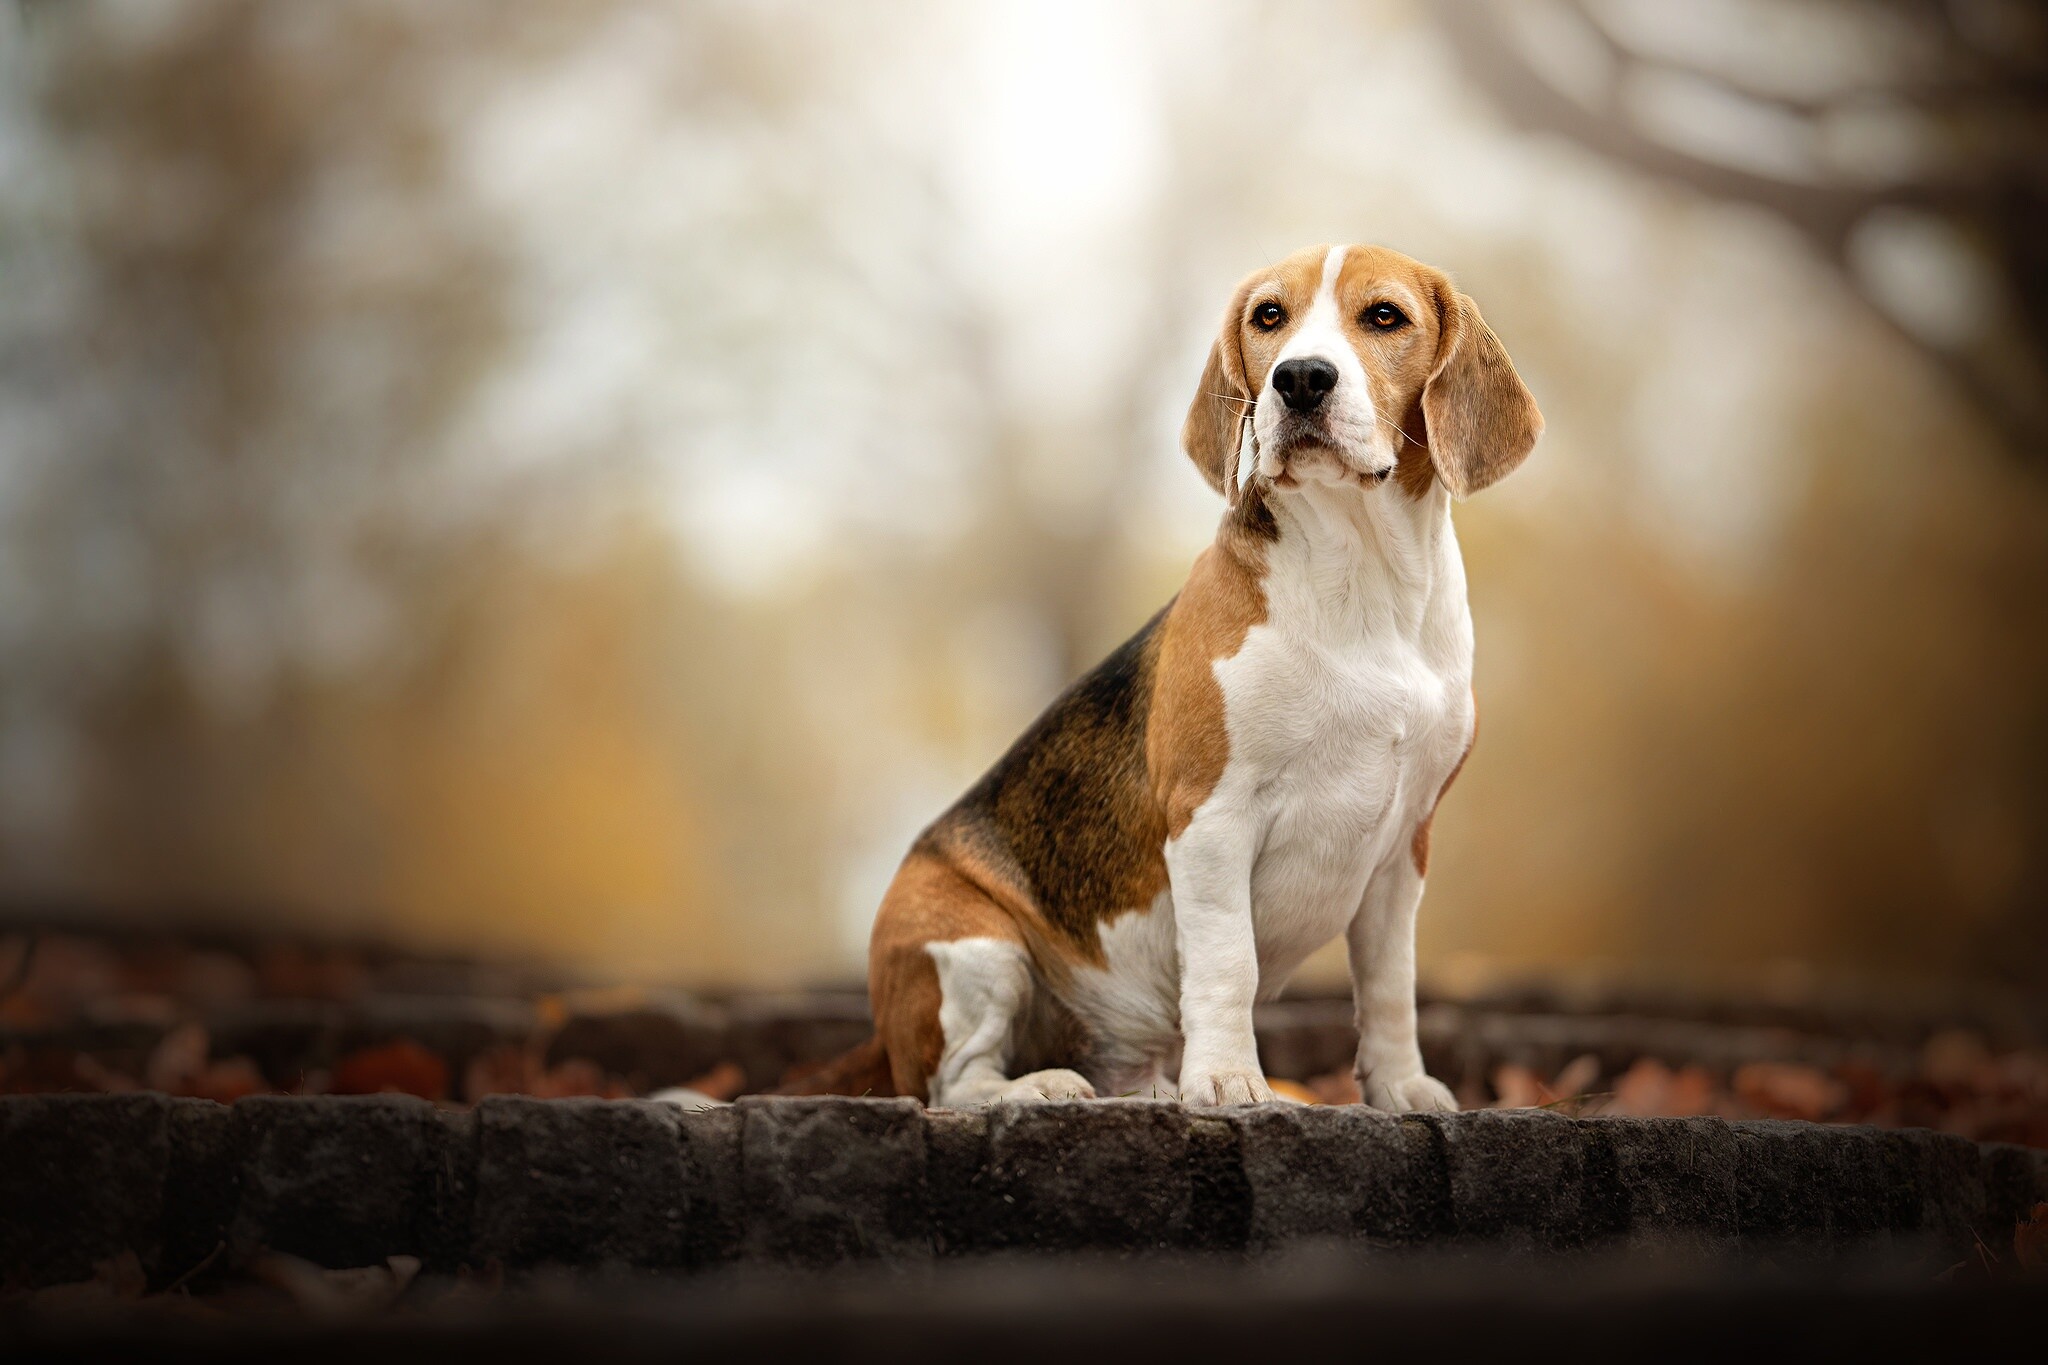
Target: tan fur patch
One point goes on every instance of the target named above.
(1187, 744)
(928, 902)
(1481, 420)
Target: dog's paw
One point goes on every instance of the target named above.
(1207, 1088)
(1048, 1085)
(1412, 1093)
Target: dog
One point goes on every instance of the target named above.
(1255, 771)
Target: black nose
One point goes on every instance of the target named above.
(1304, 383)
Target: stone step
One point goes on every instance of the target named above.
(591, 1184)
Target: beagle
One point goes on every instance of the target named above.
(1255, 771)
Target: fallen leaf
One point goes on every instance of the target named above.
(1692, 1092)
(580, 1077)
(1788, 1090)
(1644, 1090)
(1518, 1087)
(178, 1056)
(507, 1069)
(58, 1070)
(402, 1067)
(353, 1292)
(226, 1081)
(289, 972)
(1336, 1087)
(721, 1082)
(1291, 1090)
(1579, 1076)
(1955, 1059)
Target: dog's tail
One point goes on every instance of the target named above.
(861, 1070)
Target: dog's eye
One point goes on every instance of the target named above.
(1384, 316)
(1268, 316)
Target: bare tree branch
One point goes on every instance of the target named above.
(1999, 195)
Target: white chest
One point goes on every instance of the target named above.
(1347, 711)
(1341, 756)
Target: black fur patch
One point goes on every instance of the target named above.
(1070, 806)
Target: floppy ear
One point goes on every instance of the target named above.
(1480, 418)
(1217, 432)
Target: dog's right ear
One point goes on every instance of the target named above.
(1217, 434)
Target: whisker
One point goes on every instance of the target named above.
(1391, 426)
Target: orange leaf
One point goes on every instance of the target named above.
(2030, 1239)
(403, 1067)
(1519, 1088)
(178, 1057)
(506, 1069)
(1336, 1087)
(1786, 1090)
(226, 1081)
(577, 1076)
(721, 1082)
(1291, 1090)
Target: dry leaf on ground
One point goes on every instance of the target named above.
(324, 1293)
(403, 1067)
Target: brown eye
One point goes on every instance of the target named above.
(1269, 315)
(1384, 316)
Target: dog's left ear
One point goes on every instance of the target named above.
(1217, 432)
(1481, 420)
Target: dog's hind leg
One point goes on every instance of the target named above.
(953, 993)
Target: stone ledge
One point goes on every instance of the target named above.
(818, 1182)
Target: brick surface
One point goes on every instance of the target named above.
(829, 1180)
(1109, 1175)
(1220, 1197)
(202, 1186)
(958, 1190)
(2015, 1179)
(1342, 1172)
(349, 1180)
(600, 1182)
(1664, 1183)
(1799, 1183)
(1941, 1188)
(1516, 1177)
(81, 1181)
(592, 1184)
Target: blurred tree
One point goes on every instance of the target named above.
(1914, 122)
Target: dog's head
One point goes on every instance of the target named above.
(1339, 361)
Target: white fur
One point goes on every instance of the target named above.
(985, 990)
(1347, 709)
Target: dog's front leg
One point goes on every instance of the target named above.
(1382, 944)
(1210, 869)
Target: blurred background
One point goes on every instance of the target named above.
(588, 481)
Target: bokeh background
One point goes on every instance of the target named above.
(587, 480)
